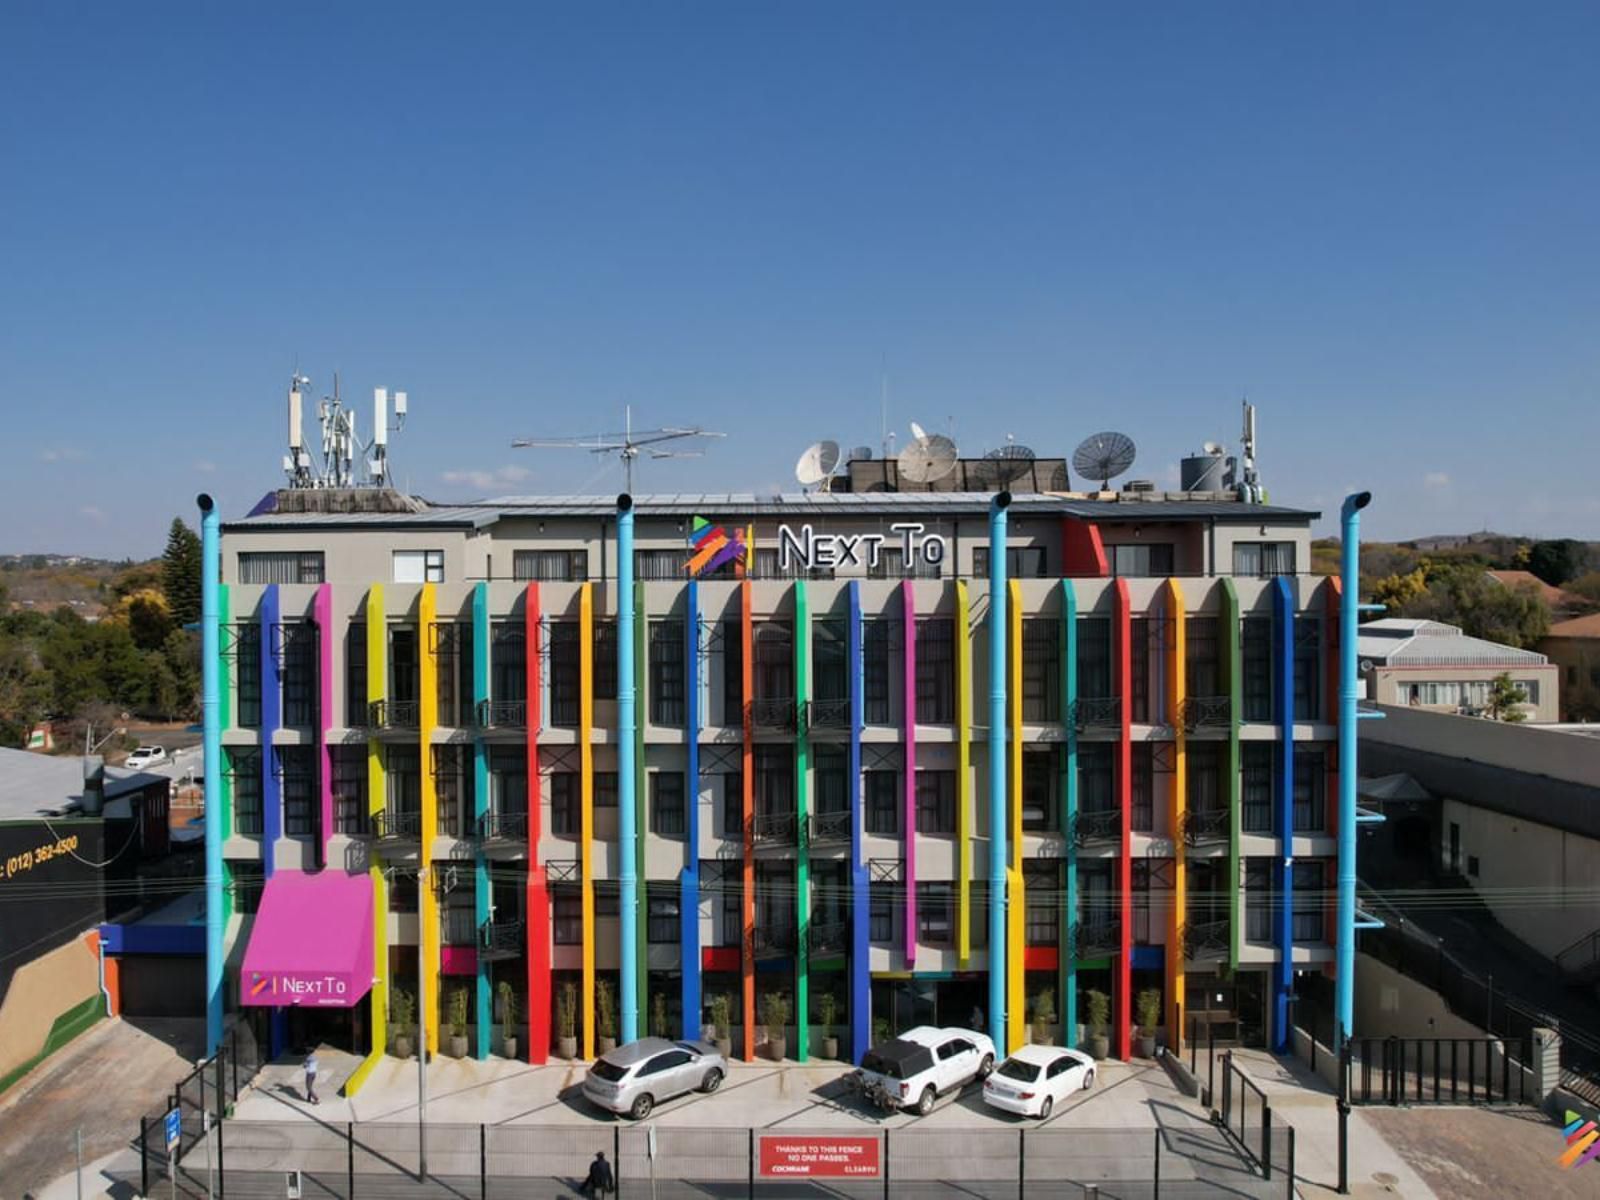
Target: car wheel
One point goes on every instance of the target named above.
(1088, 1080)
(1044, 1109)
(712, 1081)
(986, 1069)
(642, 1106)
(925, 1104)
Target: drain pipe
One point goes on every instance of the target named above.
(627, 833)
(997, 769)
(1349, 610)
(211, 740)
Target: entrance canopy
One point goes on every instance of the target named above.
(312, 942)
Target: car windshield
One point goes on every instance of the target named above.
(610, 1072)
(1015, 1068)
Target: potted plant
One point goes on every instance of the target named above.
(508, 1019)
(1148, 1006)
(605, 1017)
(827, 1010)
(567, 1021)
(1044, 1016)
(721, 1022)
(458, 1022)
(1098, 1007)
(403, 1010)
(775, 1016)
(880, 1030)
(658, 1015)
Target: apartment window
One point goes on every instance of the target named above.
(1310, 904)
(349, 788)
(1022, 562)
(460, 918)
(1258, 899)
(891, 564)
(299, 777)
(880, 913)
(508, 664)
(1255, 653)
(1143, 816)
(769, 565)
(605, 659)
(666, 673)
(875, 670)
(452, 645)
(297, 647)
(244, 771)
(455, 785)
(508, 789)
(281, 566)
(565, 816)
(935, 914)
(1139, 668)
(605, 789)
(774, 793)
(830, 779)
(936, 670)
(1153, 560)
(733, 804)
(566, 914)
(1256, 787)
(1039, 790)
(1201, 664)
(1094, 658)
(774, 665)
(936, 802)
(355, 675)
(247, 663)
(830, 660)
(1262, 559)
(419, 566)
(1096, 777)
(1041, 670)
(666, 804)
(732, 671)
(550, 566)
(659, 564)
(248, 880)
(1310, 792)
(403, 777)
(1141, 901)
(404, 670)
(1204, 778)
(607, 898)
(662, 921)
(978, 914)
(1307, 668)
(403, 891)
(1041, 905)
(565, 687)
(883, 802)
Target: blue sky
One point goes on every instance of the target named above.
(1379, 222)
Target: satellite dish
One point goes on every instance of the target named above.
(817, 463)
(1102, 456)
(928, 459)
(918, 432)
(1005, 463)
(1215, 449)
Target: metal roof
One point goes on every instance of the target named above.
(34, 785)
(1403, 641)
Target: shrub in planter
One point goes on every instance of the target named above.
(827, 1011)
(721, 1022)
(508, 1019)
(1147, 1005)
(1044, 1016)
(775, 1016)
(567, 1021)
(457, 1017)
(402, 1013)
(1097, 1007)
(605, 1017)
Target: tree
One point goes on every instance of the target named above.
(1587, 588)
(1483, 608)
(180, 573)
(1558, 561)
(1396, 591)
(1506, 699)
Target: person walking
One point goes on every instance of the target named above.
(311, 1077)
(600, 1180)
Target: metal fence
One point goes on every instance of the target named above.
(210, 1089)
(1397, 1070)
(1246, 1113)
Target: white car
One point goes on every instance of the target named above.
(146, 756)
(913, 1070)
(1035, 1078)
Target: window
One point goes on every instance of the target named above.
(247, 662)
(508, 666)
(659, 564)
(1041, 905)
(452, 645)
(297, 646)
(773, 677)
(1154, 559)
(404, 668)
(455, 783)
(460, 919)
(403, 776)
(1022, 562)
(419, 566)
(936, 670)
(880, 918)
(244, 770)
(248, 880)
(566, 914)
(564, 673)
(661, 918)
(1041, 670)
(883, 808)
(1201, 662)
(355, 675)
(1309, 901)
(550, 566)
(769, 565)
(935, 914)
(349, 789)
(666, 803)
(830, 780)
(936, 801)
(281, 566)
(830, 660)
(1038, 790)
(1094, 658)
(1258, 899)
(1255, 653)
(403, 891)
(1472, 865)
(666, 673)
(607, 898)
(1310, 809)
(978, 914)
(954, 1047)
(732, 671)
(298, 775)
(565, 817)
(1256, 787)
(1139, 668)
(1142, 818)
(733, 804)
(1307, 668)
(1261, 559)
(875, 670)
(605, 659)
(1141, 901)
(1096, 776)
(605, 789)
(1204, 778)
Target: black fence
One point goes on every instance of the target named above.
(202, 1098)
(1246, 1114)
(1397, 1070)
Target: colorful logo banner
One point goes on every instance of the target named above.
(712, 546)
(1583, 1141)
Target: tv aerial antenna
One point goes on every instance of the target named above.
(341, 447)
(627, 445)
(817, 464)
(1103, 456)
(1004, 464)
(927, 457)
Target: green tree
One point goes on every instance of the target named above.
(1587, 587)
(1482, 607)
(1506, 699)
(1558, 561)
(1396, 591)
(180, 573)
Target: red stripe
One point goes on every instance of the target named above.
(1122, 974)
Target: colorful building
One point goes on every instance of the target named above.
(465, 756)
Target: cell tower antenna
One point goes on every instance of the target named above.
(339, 446)
(628, 444)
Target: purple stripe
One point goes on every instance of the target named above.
(909, 597)
(322, 614)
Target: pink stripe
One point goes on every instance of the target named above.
(322, 614)
(909, 596)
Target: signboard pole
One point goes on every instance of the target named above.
(422, 1043)
(205, 1125)
(78, 1143)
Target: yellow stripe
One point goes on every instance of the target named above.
(1177, 692)
(428, 903)
(377, 786)
(963, 776)
(1016, 900)
(586, 784)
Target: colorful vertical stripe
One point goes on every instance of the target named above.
(965, 833)
(1067, 951)
(1177, 693)
(1283, 798)
(908, 721)
(689, 880)
(802, 783)
(537, 899)
(586, 802)
(1016, 898)
(860, 896)
(747, 960)
(1122, 970)
(376, 633)
(483, 893)
(427, 722)
(1233, 674)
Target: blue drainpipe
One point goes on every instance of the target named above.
(627, 834)
(1349, 608)
(997, 769)
(211, 724)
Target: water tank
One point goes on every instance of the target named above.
(1203, 473)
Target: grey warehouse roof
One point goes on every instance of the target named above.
(36, 785)
(1402, 641)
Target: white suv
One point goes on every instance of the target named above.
(146, 756)
(920, 1065)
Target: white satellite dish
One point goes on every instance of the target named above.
(928, 459)
(817, 463)
(918, 432)
(1215, 449)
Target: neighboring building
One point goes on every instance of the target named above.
(1431, 665)
(438, 688)
(1559, 601)
(1574, 647)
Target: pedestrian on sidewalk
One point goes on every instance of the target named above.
(600, 1180)
(311, 1076)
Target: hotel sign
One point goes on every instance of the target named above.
(807, 550)
(317, 988)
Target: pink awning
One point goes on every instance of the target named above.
(312, 941)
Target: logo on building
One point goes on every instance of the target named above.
(261, 983)
(712, 547)
(1583, 1141)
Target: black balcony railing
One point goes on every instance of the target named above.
(500, 939)
(829, 937)
(502, 714)
(773, 941)
(1206, 940)
(350, 816)
(828, 714)
(392, 824)
(393, 714)
(1206, 712)
(1093, 938)
(1097, 712)
(503, 827)
(1097, 827)
(830, 828)
(773, 829)
(773, 712)
(1204, 826)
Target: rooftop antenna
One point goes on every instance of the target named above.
(817, 464)
(1104, 456)
(627, 444)
(1250, 481)
(339, 444)
(927, 458)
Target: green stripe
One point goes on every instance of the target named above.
(1232, 664)
(66, 1027)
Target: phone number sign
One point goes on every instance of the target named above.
(817, 1157)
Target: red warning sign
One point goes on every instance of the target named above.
(814, 1157)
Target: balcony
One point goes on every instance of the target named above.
(1091, 939)
(773, 829)
(830, 828)
(1200, 714)
(350, 816)
(773, 941)
(828, 715)
(503, 827)
(397, 825)
(499, 939)
(1097, 712)
(772, 713)
(828, 938)
(1098, 827)
(502, 714)
(1204, 826)
(393, 714)
(1206, 941)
